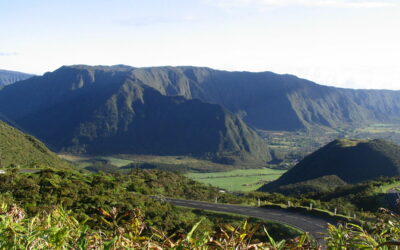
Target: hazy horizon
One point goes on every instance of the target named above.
(341, 43)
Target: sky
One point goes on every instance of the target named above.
(344, 43)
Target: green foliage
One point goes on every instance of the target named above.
(65, 209)
(84, 193)
(383, 233)
(58, 229)
(317, 185)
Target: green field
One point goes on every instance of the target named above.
(223, 176)
(173, 163)
(238, 180)
(118, 162)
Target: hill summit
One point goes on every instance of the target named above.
(351, 160)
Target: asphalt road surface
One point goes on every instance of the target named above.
(392, 197)
(316, 226)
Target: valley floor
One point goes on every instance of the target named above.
(242, 180)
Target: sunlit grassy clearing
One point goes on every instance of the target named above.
(385, 188)
(238, 180)
(118, 162)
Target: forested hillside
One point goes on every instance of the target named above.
(349, 160)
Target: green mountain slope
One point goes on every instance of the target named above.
(9, 77)
(350, 160)
(21, 149)
(103, 110)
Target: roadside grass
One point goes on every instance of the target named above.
(280, 230)
(386, 188)
(314, 211)
(243, 180)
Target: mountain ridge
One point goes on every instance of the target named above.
(69, 97)
(98, 111)
(256, 96)
(8, 77)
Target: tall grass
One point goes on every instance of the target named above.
(58, 229)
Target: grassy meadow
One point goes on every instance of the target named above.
(173, 163)
(238, 180)
(224, 176)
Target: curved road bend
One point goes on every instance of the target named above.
(316, 226)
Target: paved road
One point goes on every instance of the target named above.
(392, 197)
(316, 226)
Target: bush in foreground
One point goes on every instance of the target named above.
(58, 229)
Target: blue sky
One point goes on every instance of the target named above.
(346, 43)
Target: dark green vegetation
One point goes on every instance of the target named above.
(19, 149)
(58, 229)
(321, 184)
(83, 192)
(160, 225)
(106, 110)
(8, 77)
(88, 197)
(351, 161)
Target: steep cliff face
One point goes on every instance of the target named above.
(275, 102)
(104, 110)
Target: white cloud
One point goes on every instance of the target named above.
(318, 3)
